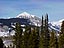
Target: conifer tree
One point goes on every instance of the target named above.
(27, 37)
(61, 37)
(44, 38)
(31, 44)
(31, 37)
(1, 43)
(36, 37)
(46, 31)
(42, 26)
(53, 41)
(18, 39)
(41, 40)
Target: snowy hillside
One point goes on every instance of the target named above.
(56, 25)
(34, 19)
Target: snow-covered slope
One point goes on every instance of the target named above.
(4, 34)
(56, 25)
(34, 19)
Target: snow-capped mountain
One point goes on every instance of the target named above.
(24, 19)
(34, 19)
(27, 19)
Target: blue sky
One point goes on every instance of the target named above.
(54, 8)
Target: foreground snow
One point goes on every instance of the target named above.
(6, 34)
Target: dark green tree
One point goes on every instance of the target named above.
(37, 37)
(47, 34)
(1, 43)
(61, 36)
(31, 43)
(53, 40)
(31, 37)
(27, 37)
(42, 36)
(18, 38)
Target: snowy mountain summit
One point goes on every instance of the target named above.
(34, 19)
(25, 15)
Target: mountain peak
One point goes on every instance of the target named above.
(24, 14)
(34, 19)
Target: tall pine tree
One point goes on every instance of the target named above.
(27, 34)
(18, 39)
(42, 38)
(47, 34)
(53, 40)
(36, 37)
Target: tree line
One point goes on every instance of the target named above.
(39, 37)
